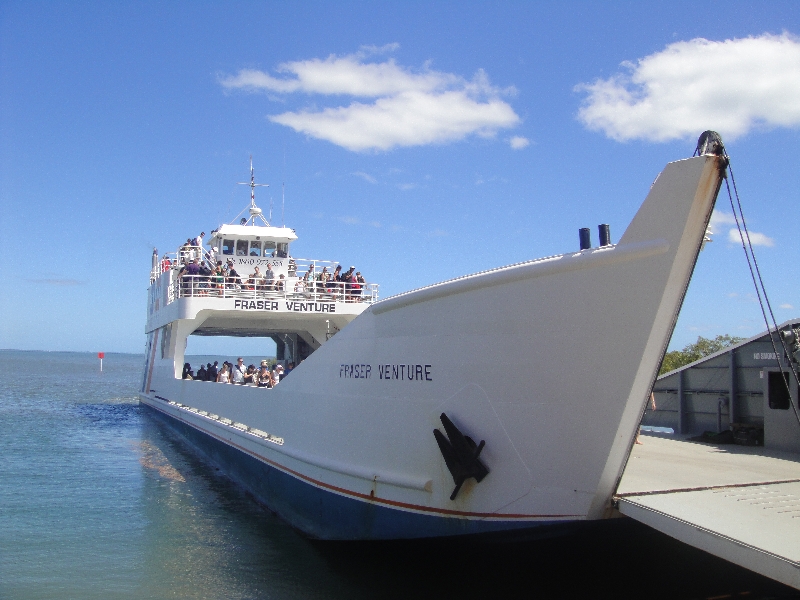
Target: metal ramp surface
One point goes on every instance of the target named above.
(741, 504)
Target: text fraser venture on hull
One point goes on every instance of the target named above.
(383, 431)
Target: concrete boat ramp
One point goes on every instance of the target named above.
(739, 503)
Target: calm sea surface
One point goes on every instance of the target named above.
(99, 500)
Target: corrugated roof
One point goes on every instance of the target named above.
(794, 322)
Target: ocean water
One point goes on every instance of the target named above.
(100, 500)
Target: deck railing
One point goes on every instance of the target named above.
(302, 268)
(303, 281)
(291, 289)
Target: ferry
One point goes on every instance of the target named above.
(392, 424)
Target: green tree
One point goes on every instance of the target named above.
(692, 352)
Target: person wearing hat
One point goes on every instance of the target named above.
(188, 274)
(278, 373)
(263, 377)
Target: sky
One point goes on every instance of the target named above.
(418, 141)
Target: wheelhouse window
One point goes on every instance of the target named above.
(269, 248)
(227, 247)
(241, 247)
(255, 248)
(283, 250)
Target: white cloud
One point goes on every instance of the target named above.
(786, 305)
(397, 106)
(407, 186)
(518, 142)
(719, 218)
(365, 176)
(756, 239)
(730, 86)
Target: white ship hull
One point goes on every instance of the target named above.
(550, 362)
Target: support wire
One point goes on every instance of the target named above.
(758, 283)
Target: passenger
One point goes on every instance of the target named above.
(189, 275)
(289, 369)
(232, 278)
(255, 280)
(292, 268)
(348, 278)
(248, 375)
(211, 256)
(212, 371)
(269, 278)
(279, 374)
(335, 283)
(263, 378)
(196, 246)
(300, 287)
(322, 280)
(185, 252)
(205, 276)
(360, 287)
(280, 286)
(166, 263)
(218, 278)
(187, 371)
(202, 375)
(238, 371)
(224, 376)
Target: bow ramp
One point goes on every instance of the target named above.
(741, 504)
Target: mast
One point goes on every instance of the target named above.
(254, 210)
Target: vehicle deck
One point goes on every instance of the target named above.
(739, 503)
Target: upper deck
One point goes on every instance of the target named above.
(248, 266)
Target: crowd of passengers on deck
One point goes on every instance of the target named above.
(267, 376)
(202, 273)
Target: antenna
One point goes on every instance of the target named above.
(254, 210)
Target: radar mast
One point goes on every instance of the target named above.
(255, 212)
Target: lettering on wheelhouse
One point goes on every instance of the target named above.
(399, 372)
(274, 305)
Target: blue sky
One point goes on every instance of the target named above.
(417, 141)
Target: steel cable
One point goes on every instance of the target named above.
(755, 275)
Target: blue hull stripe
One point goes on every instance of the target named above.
(323, 514)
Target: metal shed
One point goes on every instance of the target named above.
(738, 387)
